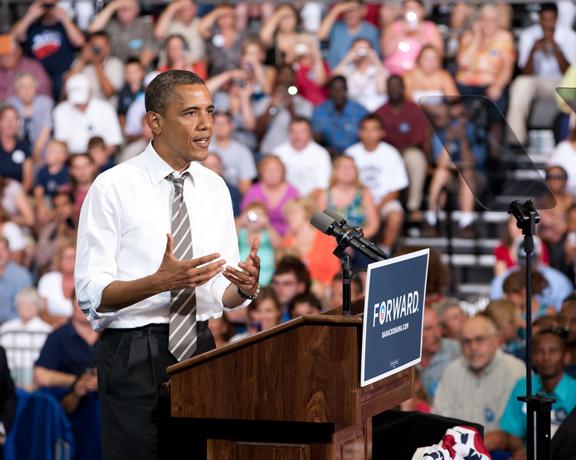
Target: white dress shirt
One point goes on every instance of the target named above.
(122, 236)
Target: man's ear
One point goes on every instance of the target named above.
(154, 122)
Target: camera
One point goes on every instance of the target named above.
(362, 52)
(252, 216)
(239, 83)
(412, 20)
(96, 50)
(48, 6)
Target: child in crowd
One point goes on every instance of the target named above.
(51, 177)
(100, 154)
(304, 304)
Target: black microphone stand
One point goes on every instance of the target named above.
(538, 407)
(373, 253)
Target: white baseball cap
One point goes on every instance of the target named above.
(78, 89)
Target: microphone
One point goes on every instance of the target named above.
(331, 223)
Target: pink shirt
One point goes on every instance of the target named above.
(404, 56)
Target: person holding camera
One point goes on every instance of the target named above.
(365, 75)
(49, 35)
(105, 72)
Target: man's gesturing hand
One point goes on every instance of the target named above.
(246, 279)
(184, 274)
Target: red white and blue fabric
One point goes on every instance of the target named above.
(459, 443)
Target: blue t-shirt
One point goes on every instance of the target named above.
(338, 129)
(11, 161)
(65, 351)
(341, 40)
(52, 182)
(513, 420)
(14, 279)
(51, 46)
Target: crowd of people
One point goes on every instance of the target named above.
(358, 107)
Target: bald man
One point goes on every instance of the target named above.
(476, 386)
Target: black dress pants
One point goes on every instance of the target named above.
(135, 411)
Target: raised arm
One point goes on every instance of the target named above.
(34, 12)
(330, 19)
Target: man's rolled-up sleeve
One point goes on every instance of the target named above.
(97, 246)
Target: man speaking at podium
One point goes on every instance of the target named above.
(156, 250)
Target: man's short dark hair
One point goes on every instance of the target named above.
(291, 264)
(372, 117)
(301, 119)
(549, 6)
(160, 92)
(99, 33)
(306, 297)
(337, 78)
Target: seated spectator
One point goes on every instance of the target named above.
(83, 171)
(60, 227)
(456, 142)
(510, 323)
(50, 36)
(406, 128)
(311, 70)
(514, 288)
(57, 286)
(382, 172)
(238, 167)
(35, 111)
(567, 319)
(557, 287)
(214, 163)
(180, 18)
(304, 304)
(280, 34)
(176, 56)
(13, 63)
(545, 51)
(130, 35)
(223, 39)
(252, 223)
(100, 154)
(15, 202)
(550, 380)
(23, 337)
(336, 121)
(290, 278)
(15, 154)
(506, 253)
(13, 278)
(428, 82)
(437, 352)
(341, 34)
(138, 143)
(308, 243)
(275, 112)
(17, 239)
(272, 190)
(486, 60)
(476, 386)
(263, 313)
(564, 155)
(82, 116)
(308, 164)
(132, 87)
(348, 196)
(260, 75)
(51, 177)
(553, 225)
(365, 75)
(451, 317)
(105, 72)
(570, 244)
(65, 369)
(222, 330)
(233, 93)
(405, 37)
(336, 297)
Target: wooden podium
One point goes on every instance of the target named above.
(292, 392)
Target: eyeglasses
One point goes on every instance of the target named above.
(478, 340)
(556, 177)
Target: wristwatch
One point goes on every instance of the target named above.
(249, 297)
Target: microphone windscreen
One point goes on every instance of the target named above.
(321, 221)
(334, 215)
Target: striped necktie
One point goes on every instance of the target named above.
(182, 334)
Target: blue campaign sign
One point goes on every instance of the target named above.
(393, 315)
